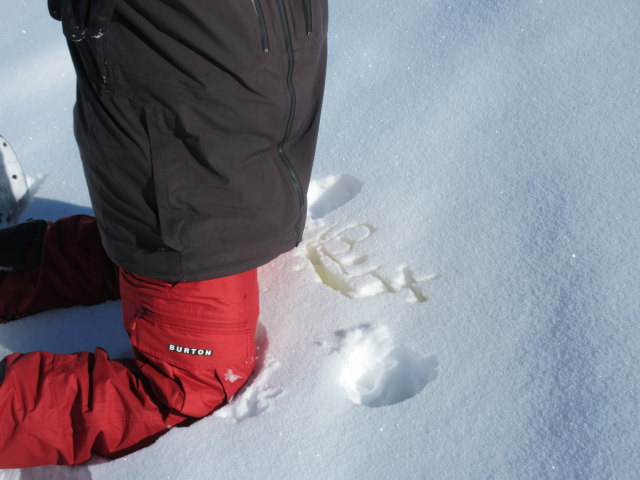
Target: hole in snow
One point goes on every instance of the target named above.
(379, 372)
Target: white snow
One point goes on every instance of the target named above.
(465, 302)
(231, 377)
(378, 373)
(331, 192)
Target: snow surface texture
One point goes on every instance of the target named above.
(465, 302)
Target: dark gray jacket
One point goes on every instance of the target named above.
(197, 123)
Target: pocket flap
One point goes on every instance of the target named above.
(186, 346)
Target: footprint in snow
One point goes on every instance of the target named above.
(255, 398)
(330, 193)
(258, 395)
(379, 372)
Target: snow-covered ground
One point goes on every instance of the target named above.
(465, 304)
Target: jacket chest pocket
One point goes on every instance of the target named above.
(309, 20)
(304, 20)
(262, 26)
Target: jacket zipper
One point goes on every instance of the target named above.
(103, 65)
(308, 19)
(264, 35)
(292, 108)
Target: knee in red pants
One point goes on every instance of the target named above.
(193, 341)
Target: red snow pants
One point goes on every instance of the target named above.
(193, 345)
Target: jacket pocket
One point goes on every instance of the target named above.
(184, 189)
(308, 22)
(308, 17)
(103, 66)
(170, 185)
(262, 25)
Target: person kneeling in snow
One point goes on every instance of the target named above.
(197, 124)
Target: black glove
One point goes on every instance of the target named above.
(82, 18)
(21, 245)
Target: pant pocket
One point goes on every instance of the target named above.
(189, 344)
(193, 368)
